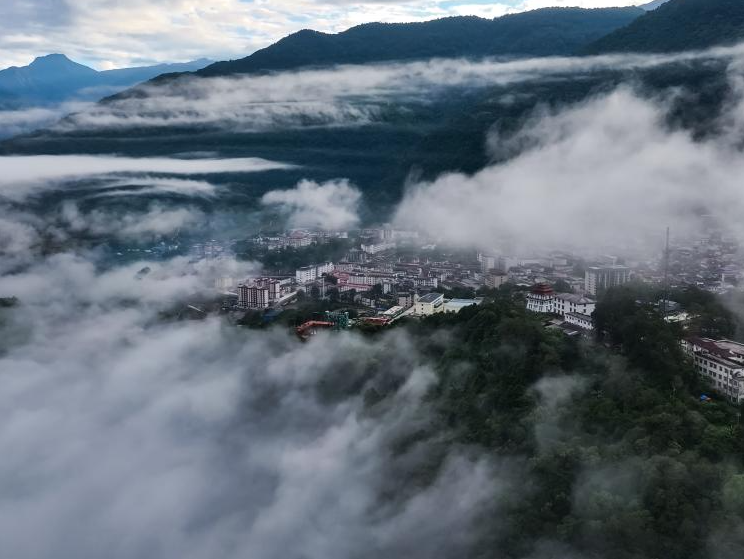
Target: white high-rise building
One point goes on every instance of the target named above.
(599, 278)
(307, 274)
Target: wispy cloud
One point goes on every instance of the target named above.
(24, 175)
(331, 205)
(605, 173)
(343, 95)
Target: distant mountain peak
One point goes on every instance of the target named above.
(58, 63)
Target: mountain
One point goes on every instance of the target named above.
(676, 26)
(55, 78)
(544, 32)
(653, 5)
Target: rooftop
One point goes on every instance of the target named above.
(575, 298)
(430, 298)
(725, 349)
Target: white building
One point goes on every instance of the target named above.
(377, 248)
(429, 304)
(721, 362)
(575, 309)
(583, 321)
(565, 303)
(541, 299)
(307, 274)
(599, 278)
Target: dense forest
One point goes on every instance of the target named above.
(545, 32)
(608, 449)
(678, 25)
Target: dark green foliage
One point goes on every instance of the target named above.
(676, 26)
(550, 31)
(626, 464)
(8, 302)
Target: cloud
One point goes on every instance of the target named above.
(24, 175)
(154, 186)
(342, 95)
(109, 34)
(129, 436)
(13, 122)
(607, 173)
(331, 205)
(155, 222)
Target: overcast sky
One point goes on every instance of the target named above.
(118, 33)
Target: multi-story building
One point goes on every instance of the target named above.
(541, 298)
(721, 362)
(307, 274)
(253, 297)
(274, 287)
(599, 278)
(406, 300)
(376, 248)
(583, 321)
(565, 303)
(487, 261)
(495, 279)
(575, 309)
(429, 304)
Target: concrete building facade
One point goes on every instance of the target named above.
(599, 278)
(721, 362)
(429, 304)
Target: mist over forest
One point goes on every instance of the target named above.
(144, 415)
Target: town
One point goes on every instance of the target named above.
(376, 276)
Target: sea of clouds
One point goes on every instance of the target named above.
(124, 434)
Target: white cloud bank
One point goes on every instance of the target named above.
(606, 173)
(342, 95)
(24, 175)
(331, 205)
(124, 436)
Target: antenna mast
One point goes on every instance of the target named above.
(665, 302)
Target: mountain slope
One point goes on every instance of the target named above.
(55, 78)
(653, 5)
(676, 26)
(545, 32)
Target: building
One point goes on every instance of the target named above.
(429, 304)
(308, 274)
(274, 287)
(495, 279)
(487, 261)
(565, 303)
(406, 300)
(721, 362)
(541, 298)
(583, 321)
(575, 309)
(599, 278)
(253, 297)
(376, 248)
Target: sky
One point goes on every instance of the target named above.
(108, 34)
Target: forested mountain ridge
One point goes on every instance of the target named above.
(677, 25)
(544, 32)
